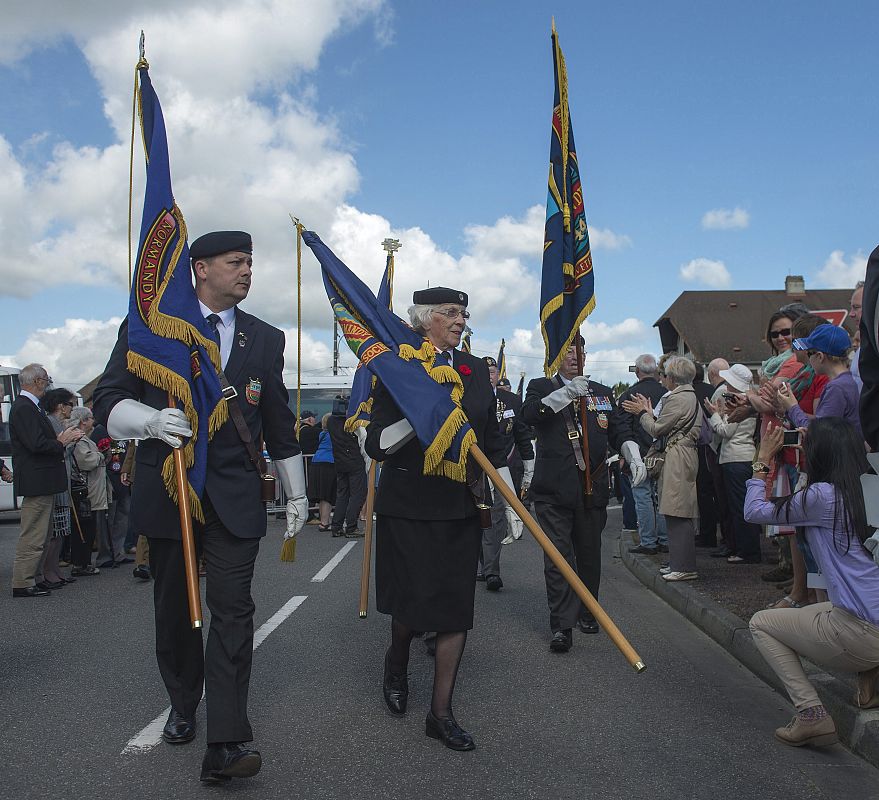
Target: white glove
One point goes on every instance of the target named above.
(130, 419)
(514, 524)
(557, 400)
(291, 471)
(529, 474)
(360, 433)
(629, 451)
(395, 436)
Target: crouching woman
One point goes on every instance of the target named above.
(841, 634)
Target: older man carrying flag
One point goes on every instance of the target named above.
(575, 418)
(170, 352)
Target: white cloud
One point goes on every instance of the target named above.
(726, 219)
(706, 271)
(841, 273)
(606, 239)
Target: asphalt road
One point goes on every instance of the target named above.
(79, 683)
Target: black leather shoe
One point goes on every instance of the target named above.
(493, 582)
(449, 732)
(142, 571)
(587, 626)
(50, 585)
(68, 580)
(645, 551)
(337, 532)
(178, 729)
(561, 641)
(395, 689)
(31, 591)
(229, 760)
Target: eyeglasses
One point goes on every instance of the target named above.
(779, 332)
(68, 404)
(452, 313)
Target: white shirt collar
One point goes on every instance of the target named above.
(227, 317)
(32, 397)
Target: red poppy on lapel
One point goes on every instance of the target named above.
(465, 370)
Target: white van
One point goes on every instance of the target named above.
(10, 388)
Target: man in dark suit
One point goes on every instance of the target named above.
(350, 473)
(252, 355)
(505, 524)
(573, 524)
(38, 455)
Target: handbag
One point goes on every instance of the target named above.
(654, 460)
(79, 491)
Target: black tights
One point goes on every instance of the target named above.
(449, 649)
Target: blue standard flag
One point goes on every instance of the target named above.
(501, 361)
(169, 343)
(567, 290)
(360, 402)
(429, 396)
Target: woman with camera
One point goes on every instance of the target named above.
(87, 464)
(736, 454)
(843, 633)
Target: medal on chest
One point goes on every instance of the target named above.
(253, 391)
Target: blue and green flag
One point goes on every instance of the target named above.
(567, 289)
(501, 362)
(360, 402)
(429, 395)
(169, 341)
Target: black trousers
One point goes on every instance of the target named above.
(350, 496)
(709, 509)
(576, 532)
(223, 668)
(82, 538)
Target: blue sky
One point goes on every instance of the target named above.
(431, 122)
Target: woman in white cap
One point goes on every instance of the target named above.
(737, 451)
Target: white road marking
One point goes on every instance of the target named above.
(151, 735)
(334, 562)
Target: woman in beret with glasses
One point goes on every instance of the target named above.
(428, 532)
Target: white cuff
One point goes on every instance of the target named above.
(291, 472)
(395, 436)
(556, 400)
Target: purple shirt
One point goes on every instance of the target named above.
(852, 577)
(840, 398)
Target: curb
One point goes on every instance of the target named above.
(858, 730)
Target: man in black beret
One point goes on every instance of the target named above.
(252, 357)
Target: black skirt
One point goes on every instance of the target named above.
(322, 482)
(425, 571)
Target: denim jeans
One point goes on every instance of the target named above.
(651, 524)
(630, 516)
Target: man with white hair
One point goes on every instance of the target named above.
(651, 525)
(40, 474)
(715, 367)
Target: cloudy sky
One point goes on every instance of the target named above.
(721, 146)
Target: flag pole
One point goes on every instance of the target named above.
(584, 441)
(563, 566)
(190, 564)
(391, 246)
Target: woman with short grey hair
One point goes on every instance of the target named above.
(90, 462)
(679, 425)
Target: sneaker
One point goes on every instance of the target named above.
(799, 731)
(664, 570)
(680, 576)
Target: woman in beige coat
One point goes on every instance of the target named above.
(680, 422)
(90, 462)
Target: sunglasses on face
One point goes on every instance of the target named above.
(779, 332)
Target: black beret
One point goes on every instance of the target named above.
(490, 361)
(503, 382)
(438, 295)
(219, 242)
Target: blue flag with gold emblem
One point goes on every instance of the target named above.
(567, 289)
(169, 342)
(360, 402)
(429, 396)
(501, 362)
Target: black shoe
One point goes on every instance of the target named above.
(645, 551)
(395, 689)
(48, 586)
(493, 582)
(449, 732)
(337, 532)
(587, 626)
(229, 760)
(352, 532)
(31, 591)
(142, 571)
(68, 580)
(82, 572)
(561, 641)
(663, 548)
(178, 729)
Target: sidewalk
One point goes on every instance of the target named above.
(858, 730)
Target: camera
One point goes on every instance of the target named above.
(791, 439)
(340, 406)
(730, 396)
(633, 368)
